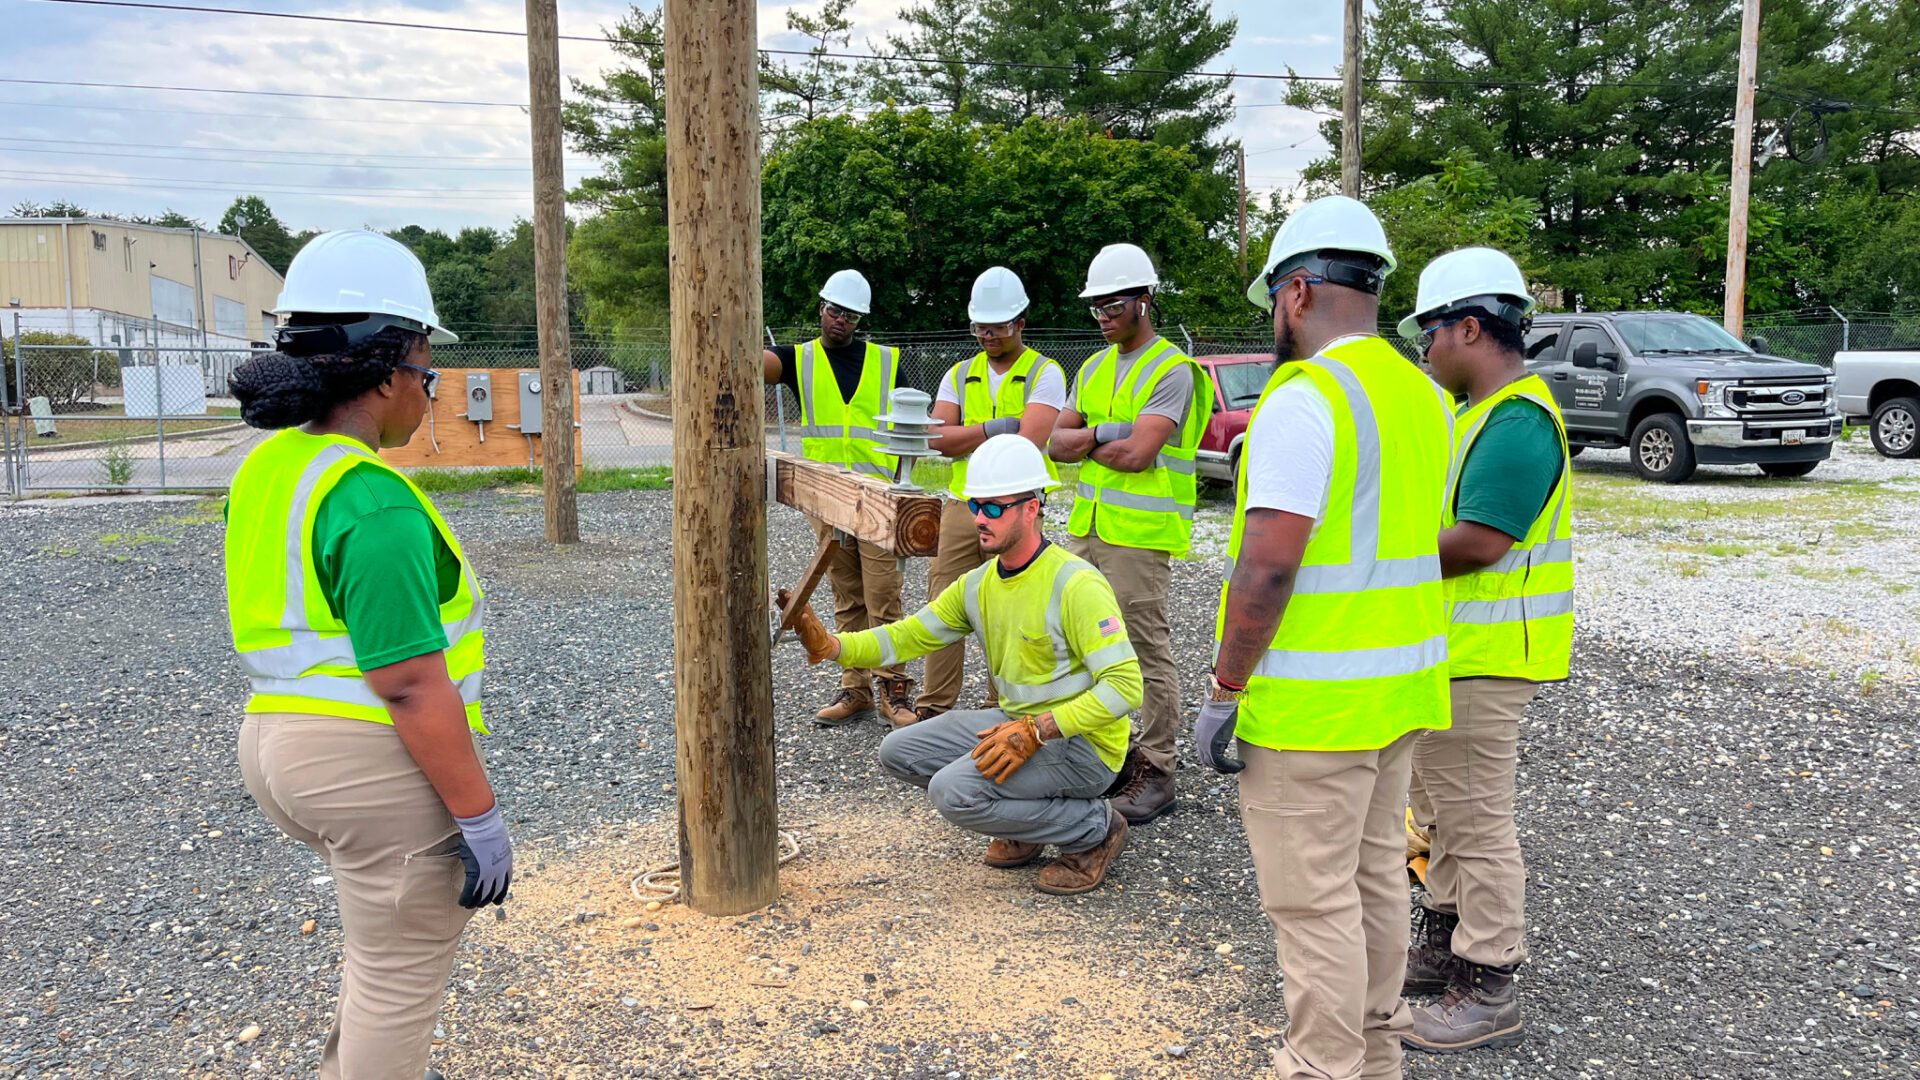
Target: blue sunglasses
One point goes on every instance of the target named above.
(994, 510)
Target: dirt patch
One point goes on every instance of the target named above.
(893, 951)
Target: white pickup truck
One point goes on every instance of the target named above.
(1881, 388)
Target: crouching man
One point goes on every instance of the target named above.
(1036, 770)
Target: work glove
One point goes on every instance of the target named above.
(1005, 747)
(1001, 425)
(1112, 431)
(814, 636)
(1213, 728)
(488, 856)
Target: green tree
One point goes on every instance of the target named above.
(796, 91)
(1456, 206)
(251, 219)
(174, 219)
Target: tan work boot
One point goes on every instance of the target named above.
(1083, 871)
(852, 706)
(1480, 1010)
(896, 702)
(927, 712)
(1007, 854)
(1146, 794)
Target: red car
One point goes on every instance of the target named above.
(1238, 379)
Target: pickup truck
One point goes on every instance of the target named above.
(1678, 391)
(1882, 390)
(1238, 379)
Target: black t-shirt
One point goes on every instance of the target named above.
(847, 361)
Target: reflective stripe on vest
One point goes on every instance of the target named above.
(1360, 656)
(297, 653)
(1152, 509)
(841, 430)
(1068, 675)
(1514, 619)
(978, 405)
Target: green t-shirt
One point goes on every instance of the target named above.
(1511, 470)
(383, 567)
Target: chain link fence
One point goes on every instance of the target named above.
(1815, 338)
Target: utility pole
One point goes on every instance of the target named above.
(1241, 153)
(722, 675)
(550, 274)
(1350, 102)
(1736, 305)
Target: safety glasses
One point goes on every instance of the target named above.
(1304, 279)
(851, 318)
(1109, 312)
(1427, 333)
(996, 330)
(994, 511)
(428, 376)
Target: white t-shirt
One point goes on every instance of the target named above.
(1289, 451)
(1046, 387)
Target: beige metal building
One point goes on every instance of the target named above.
(121, 284)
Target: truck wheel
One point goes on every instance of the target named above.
(1573, 449)
(1661, 451)
(1788, 468)
(1894, 428)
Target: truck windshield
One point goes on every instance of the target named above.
(1240, 384)
(1666, 333)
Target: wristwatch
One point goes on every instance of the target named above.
(1219, 691)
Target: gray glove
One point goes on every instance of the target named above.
(1001, 425)
(488, 856)
(1111, 431)
(1213, 732)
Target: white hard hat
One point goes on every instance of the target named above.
(1118, 268)
(353, 270)
(1476, 273)
(998, 296)
(1333, 223)
(849, 289)
(1007, 465)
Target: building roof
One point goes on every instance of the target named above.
(143, 227)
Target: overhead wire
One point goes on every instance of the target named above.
(115, 153)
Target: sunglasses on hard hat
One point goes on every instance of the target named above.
(851, 318)
(994, 510)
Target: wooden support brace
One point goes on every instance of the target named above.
(809, 581)
(902, 524)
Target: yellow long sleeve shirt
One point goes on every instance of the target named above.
(1053, 637)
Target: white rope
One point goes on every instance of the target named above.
(662, 883)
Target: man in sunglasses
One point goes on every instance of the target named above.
(842, 383)
(1006, 388)
(1134, 421)
(1507, 549)
(1332, 637)
(1034, 770)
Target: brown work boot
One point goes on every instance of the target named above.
(1430, 959)
(1481, 1009)
(852, 706)
(1146, 792)
(896, 702)
(1083, 871)
(1007, 854)
(927, 712)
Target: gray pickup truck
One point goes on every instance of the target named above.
(1678, 391)
(1881, 389)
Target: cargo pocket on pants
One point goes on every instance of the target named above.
(427, 906)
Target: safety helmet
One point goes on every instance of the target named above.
(849, 289)
(1117, 269)
(1475, 277)
(1007, 465)
(998, 296)
(356, 271)
(1316, 236)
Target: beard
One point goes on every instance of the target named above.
(1283, 340)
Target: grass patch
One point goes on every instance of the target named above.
(111, 423)
(1869, 679)
(134, 540)
(1840, 628)
(61, 552)
(455, 482)
(204, 512)
(1827, 573)
(1716, 549)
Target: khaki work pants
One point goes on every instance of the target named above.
(1140, 578)
(959, 554)
(866, 594)
(1463, 780)
(1329, 854)
(349, 790)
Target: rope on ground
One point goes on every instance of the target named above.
(662, 883)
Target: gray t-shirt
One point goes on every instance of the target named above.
(1172, 396)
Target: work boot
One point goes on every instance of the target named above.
(1480, 1009)
(1430, 959)
(1146, 794)
(1083, 871)
(850, 707)
(927, 712)
(896, 702)
(1007, 854)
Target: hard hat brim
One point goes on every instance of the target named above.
(997, 491)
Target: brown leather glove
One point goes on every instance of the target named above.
(818, 640)
(1005, 747)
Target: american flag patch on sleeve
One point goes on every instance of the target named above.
(1109, 626)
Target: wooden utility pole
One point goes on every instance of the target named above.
(722, 678)
(550, 273)
(1736, 306)
(1241, 152)
(1350, 102)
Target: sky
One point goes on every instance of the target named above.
(325, 164)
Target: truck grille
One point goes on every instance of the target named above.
(1783, 400)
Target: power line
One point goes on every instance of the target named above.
(354, 120)
(263, 93)
(117, 155)
(221, 185)
(328, 154)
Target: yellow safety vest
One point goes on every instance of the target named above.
(1360, 657)
(978, 404)
(1514, 619)
(841, 431)
(296, 651)
(1152, 509)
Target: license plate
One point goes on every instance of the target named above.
(1793, 437)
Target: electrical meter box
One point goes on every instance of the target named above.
(529, 403)
(479, 395)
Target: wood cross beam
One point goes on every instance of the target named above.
(903, 524)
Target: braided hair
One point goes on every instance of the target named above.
(290, 387)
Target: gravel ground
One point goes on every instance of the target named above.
(1723, 848)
